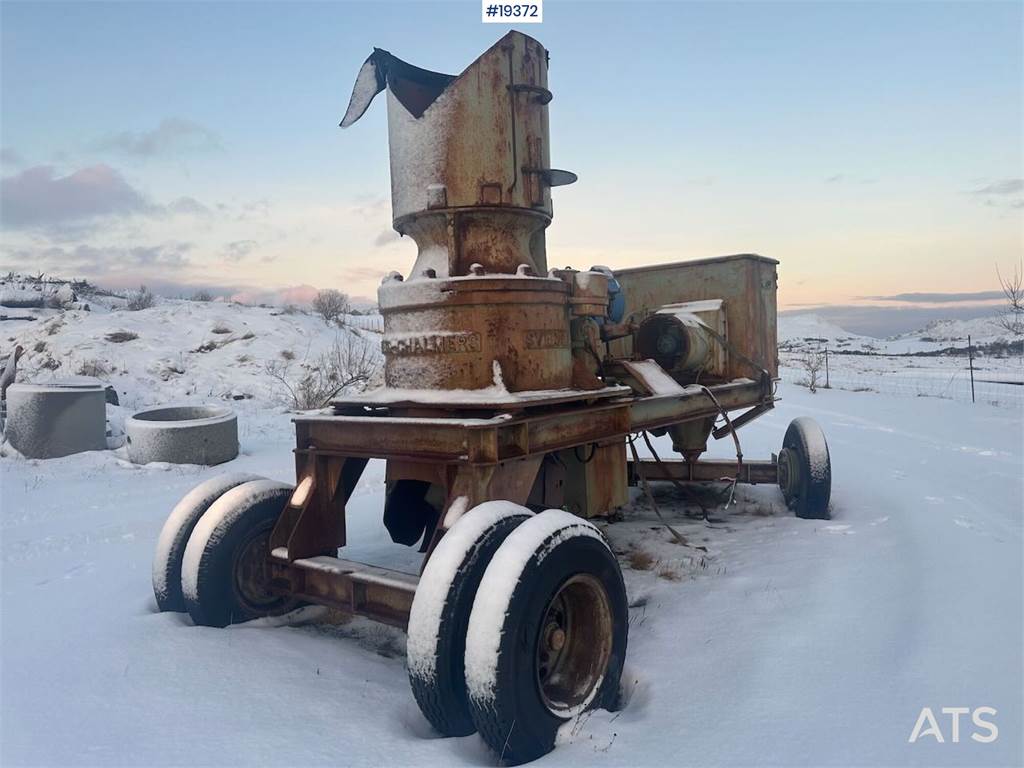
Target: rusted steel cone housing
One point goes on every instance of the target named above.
(471, 184)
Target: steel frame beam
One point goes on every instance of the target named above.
(750, 472)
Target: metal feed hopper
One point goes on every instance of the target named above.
(514, 395)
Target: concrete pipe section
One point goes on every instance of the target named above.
(59, 418)
(183, 434)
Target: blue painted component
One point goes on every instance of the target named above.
(616, 298)
(616, 301)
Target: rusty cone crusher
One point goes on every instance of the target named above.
(514, 394)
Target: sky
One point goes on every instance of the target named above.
(873, 148)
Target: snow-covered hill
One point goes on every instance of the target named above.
(176, 350)
(809, 330)
(980, 329)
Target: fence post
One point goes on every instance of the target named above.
(827, 385)
(970, 359)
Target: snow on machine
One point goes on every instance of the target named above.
(513, 395)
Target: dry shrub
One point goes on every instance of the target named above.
(331, 304)
(119, 337)
(95, 368)
(640, 560)
(812, 362)
(350, 363)
(140, 299)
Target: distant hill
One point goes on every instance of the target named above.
(802, 331)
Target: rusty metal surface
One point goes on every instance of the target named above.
(363, 590)
(315, 523)
(502, 437)
(594, 478)
(751, 472)
(460, 143)
(508, 333)
(746, 283)
(355, 405)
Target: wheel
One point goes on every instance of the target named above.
(805, 470)
(440, 612)
(224, 573)
(547, 635)
(170, 546)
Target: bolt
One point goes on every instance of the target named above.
(556, 640)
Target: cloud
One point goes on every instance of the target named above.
(1001, 187)
(97, 261)
(296, 294)
(10, 156)
(188, 206)
(385, 237)
(363, 274)
(848, 178)
(174, 135)
(239, 249)
(37, 197)
(937, 298)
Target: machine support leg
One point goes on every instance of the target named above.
(313, 522)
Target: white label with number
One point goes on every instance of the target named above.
(512, 13)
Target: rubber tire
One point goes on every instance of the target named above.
(507, 709)
(207, 576)
(805, 439)
(170, 545)
(440, 613)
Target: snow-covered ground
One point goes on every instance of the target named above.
(910, 364)
(787, 642)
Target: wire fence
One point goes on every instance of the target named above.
(366, 322)
(1000, 384)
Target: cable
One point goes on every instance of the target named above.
(735, 439)
(680, 539)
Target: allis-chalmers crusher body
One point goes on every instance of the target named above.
(514, 392)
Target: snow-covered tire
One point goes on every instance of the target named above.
(805, 470)
(170, 545)
(547, 635)
(440, 612)
(224, 571)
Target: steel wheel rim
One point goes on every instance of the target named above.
(251, 571)
(574, 645)
(789, 473)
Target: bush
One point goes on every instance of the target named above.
(95, 368)
(331, 305)
(202, 295)
(812, 362)
(119, 337)
(140, 299)
(350, 362)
